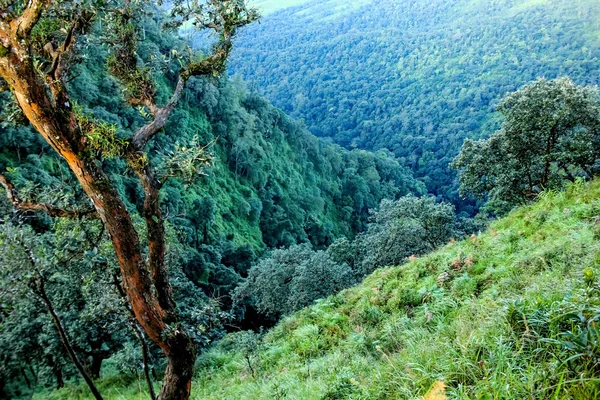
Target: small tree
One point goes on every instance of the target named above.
(24, 270)
(550, 135)
(39, 42)
(290, 279)
(408, 226)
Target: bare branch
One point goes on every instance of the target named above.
(145, 133)
(13, 197)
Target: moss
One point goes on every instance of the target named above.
(4, 51)
(102, 137)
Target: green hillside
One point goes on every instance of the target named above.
(481, 315)
(269, 6)
(509, 314)
(415, 77)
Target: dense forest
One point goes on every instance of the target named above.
(266, 183)
(162, 221)
(414, 77)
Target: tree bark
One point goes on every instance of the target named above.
(96, 366)
(151, 301)
(177, 382)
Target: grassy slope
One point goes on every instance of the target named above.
(398, 333)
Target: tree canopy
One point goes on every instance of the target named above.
(415, 77)
(550, 135)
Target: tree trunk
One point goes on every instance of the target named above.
(96, 365)
(56, 370)
(177, 382)
(148, 293)
(26, 378)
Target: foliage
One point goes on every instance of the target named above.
(406, 227)
(550, 135)
(186, 161)
(414, 77)
(73, 270)
(271, 184)
(511, 322)
(102, 136)
(290, 279)
(525, 328)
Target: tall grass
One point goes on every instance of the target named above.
(491, 317)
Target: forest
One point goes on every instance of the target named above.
(414, 77)
(168, 233)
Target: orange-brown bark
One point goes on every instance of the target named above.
(151, 299)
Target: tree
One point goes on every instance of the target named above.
(408, 226)
(39, 41)
(290, 279)
(550, 135)
(29, 269)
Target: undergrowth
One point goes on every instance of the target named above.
(509, 314)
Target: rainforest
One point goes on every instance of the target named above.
(299, 199)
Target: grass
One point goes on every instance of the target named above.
(510, 314)
(455, 316)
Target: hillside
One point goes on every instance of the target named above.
(510, 314)
(167, 232)
(271, 183)
(491, 317)
(233, 176)
(416, 77)
(269, 6)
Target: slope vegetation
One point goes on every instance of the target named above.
(272, 183)
(416, 77)
(508, 314)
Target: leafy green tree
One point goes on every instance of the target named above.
(28, 267)
(398, 229)
(550, 135)
(316, 278)
(290, 279)
(39, 43)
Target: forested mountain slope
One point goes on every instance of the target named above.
(416, 77)
(511, 313)
(268, 183)
(271, 183)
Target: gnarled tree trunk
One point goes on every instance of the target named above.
(151, 301)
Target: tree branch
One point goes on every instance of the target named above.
(32, 14)
(147, 132)
(156, 240)
(210, 66)
(13, 197)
